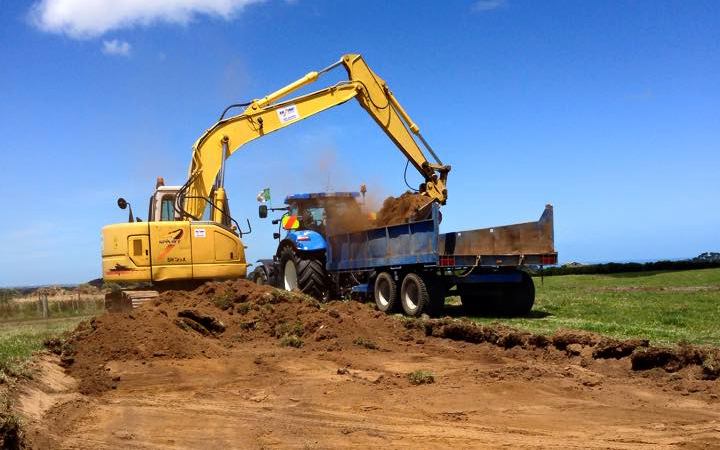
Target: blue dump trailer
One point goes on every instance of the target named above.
(409, 267)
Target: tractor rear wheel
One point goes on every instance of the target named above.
(305, 272)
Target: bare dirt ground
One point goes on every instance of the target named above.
(207, 371)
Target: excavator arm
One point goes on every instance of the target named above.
(263, 116)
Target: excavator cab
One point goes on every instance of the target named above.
(162, 204)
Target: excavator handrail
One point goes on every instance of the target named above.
(263, 116)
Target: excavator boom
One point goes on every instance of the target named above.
(178, 243)
(263, 116)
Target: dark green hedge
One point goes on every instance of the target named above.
(630, 267)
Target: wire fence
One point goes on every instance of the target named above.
(46, 307)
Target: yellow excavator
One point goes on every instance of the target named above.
(190, 235)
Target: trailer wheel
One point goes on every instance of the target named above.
(304, 272)
(386, 293)
(475, 304)
(259, 276)
(506, 299)
(519, 299)
(437, 291)
(414, 295)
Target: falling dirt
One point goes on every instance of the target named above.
(396, 210)
(237, 366)
(347, 217)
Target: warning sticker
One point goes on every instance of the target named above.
(288, 114)
(199, 232)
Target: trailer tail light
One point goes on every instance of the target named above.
(303, 238)
(548, 259)
(447, 260)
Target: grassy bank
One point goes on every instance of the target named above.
(19, 339)
(665, 307)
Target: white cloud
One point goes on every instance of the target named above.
(115, 47)
(487, 5)
(92, 18)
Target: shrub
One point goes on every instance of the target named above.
(291, 341)
(364, 343)
(421, 377)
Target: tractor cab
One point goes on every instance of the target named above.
(322, 212)
(308, 220)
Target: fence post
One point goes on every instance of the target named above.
(46, 308)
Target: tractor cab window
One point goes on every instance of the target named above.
(311, 217)
(167, 209)
(314, 218)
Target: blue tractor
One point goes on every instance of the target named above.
(301, 257)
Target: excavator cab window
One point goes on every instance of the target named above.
(167, 210)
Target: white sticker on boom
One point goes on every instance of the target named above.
(199, 232)
(288, 114)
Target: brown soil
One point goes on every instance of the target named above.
(238, 366)
(401, 209)
(395, 210)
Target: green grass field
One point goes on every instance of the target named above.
(665, 307)
(19, 339)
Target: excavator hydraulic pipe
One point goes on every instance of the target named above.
(220, 199)
(413, 127)
(280, 93)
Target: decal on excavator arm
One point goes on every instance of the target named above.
(288, 114)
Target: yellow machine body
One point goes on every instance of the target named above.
(167, 251)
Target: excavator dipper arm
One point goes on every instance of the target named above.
(266, 115)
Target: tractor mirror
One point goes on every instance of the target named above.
(122, 203)
(262, 211)
(276, 235)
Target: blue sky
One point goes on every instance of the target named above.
(607, 110)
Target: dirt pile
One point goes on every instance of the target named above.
(396, 210)
(273, 369)
(211, 320)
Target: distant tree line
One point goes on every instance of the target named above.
(687, 264)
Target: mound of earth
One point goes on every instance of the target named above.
(396, 210)
(212, 319)
(217, 316)
(236, 365)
